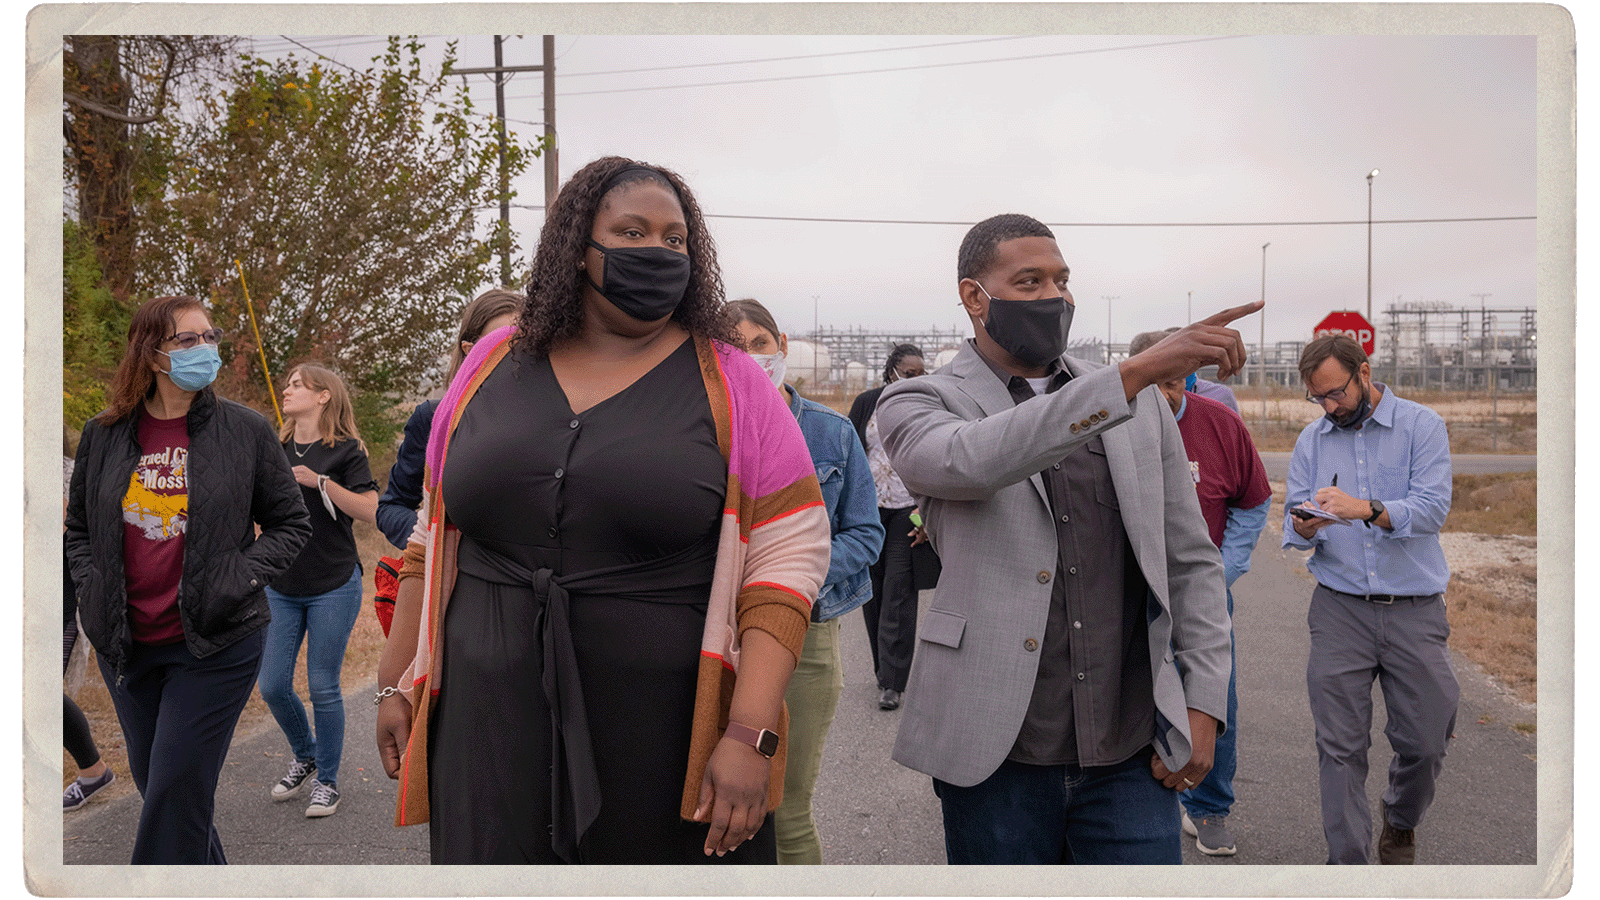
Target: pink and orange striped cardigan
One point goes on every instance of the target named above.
(771, 558)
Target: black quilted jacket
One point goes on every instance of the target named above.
(238, 478)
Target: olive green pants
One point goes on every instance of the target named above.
(812, 698)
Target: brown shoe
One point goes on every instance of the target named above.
(1396, 846)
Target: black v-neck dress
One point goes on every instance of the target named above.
(633, 481)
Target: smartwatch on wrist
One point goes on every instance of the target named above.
(1377, 510)
(765, 742)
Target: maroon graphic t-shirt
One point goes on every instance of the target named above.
(155, 515)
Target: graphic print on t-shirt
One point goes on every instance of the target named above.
(157, 501)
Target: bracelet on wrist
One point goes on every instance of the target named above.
(386, 692)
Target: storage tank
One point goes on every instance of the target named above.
(856, 375)
(809, 364)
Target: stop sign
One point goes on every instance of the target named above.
(1347, 322)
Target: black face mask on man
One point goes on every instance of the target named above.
(646, 283)
(1357, 415)
(1032, 331)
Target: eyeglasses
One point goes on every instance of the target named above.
(188, 340)
(1335, 395)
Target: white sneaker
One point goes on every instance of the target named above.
(292, 783)
(324, 800)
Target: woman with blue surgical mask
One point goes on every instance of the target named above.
(180, 510)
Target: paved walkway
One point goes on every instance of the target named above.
(872, 811)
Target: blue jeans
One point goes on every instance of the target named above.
(1030, 815)
(324, 620)
(1213, 796)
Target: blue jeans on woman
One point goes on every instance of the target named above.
(324, 620)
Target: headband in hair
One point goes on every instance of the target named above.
(628, 171)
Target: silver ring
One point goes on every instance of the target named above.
(1188, 783)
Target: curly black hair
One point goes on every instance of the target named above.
(977, 248)
(554, 309)
(897, 353)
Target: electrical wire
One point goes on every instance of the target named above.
(922, 66)
(945, 222)
(741, 62)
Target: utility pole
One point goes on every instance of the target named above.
(1483, 327)
(1190, 312)
(1262, 370)
(1491, 371)
(499, 71)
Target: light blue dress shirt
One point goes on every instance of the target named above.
(1400, 456)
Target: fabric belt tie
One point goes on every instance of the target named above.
(574, 777)
(574, 782)
(1381, 599)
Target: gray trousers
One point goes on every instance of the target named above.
(1403, 645)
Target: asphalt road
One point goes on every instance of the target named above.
(874, 812)
(1277, 464)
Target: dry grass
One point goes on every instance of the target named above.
(1496, 629)
(1495, 504)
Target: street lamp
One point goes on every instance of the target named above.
(1108, 301)
(1191, 308)
(1370, 175)
(1261, 348)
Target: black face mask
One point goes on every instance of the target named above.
(1032, 331)
(1357, 415)
(646, 283)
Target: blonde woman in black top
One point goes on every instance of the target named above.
(319, 597)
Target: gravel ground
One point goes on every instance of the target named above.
(1492, 560)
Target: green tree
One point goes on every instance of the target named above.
(94, 325)
(113, 86)
(349, 200)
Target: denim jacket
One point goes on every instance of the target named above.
(852, 502)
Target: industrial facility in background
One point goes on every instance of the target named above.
(1418, 346)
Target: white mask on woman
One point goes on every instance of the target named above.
(774, 364)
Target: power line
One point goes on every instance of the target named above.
(317, 53)
(845, 221)
(765, 59)
(970, 62)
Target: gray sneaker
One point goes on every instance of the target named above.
(1210, 834)
(324, 800)
(80, 790)
(291, 784)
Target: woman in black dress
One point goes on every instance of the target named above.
(587, 483)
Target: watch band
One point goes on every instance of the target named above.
(765, 741)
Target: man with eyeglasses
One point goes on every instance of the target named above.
(1381, 464)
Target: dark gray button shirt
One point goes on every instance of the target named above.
(1093, 703)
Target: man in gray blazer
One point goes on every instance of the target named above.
(1072, 672)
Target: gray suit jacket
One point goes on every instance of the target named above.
(971, 457)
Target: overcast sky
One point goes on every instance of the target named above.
(1144, 153)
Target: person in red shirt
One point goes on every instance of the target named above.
(1234, 497)
(181, 508)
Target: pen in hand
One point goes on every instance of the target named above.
(1335, 480)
